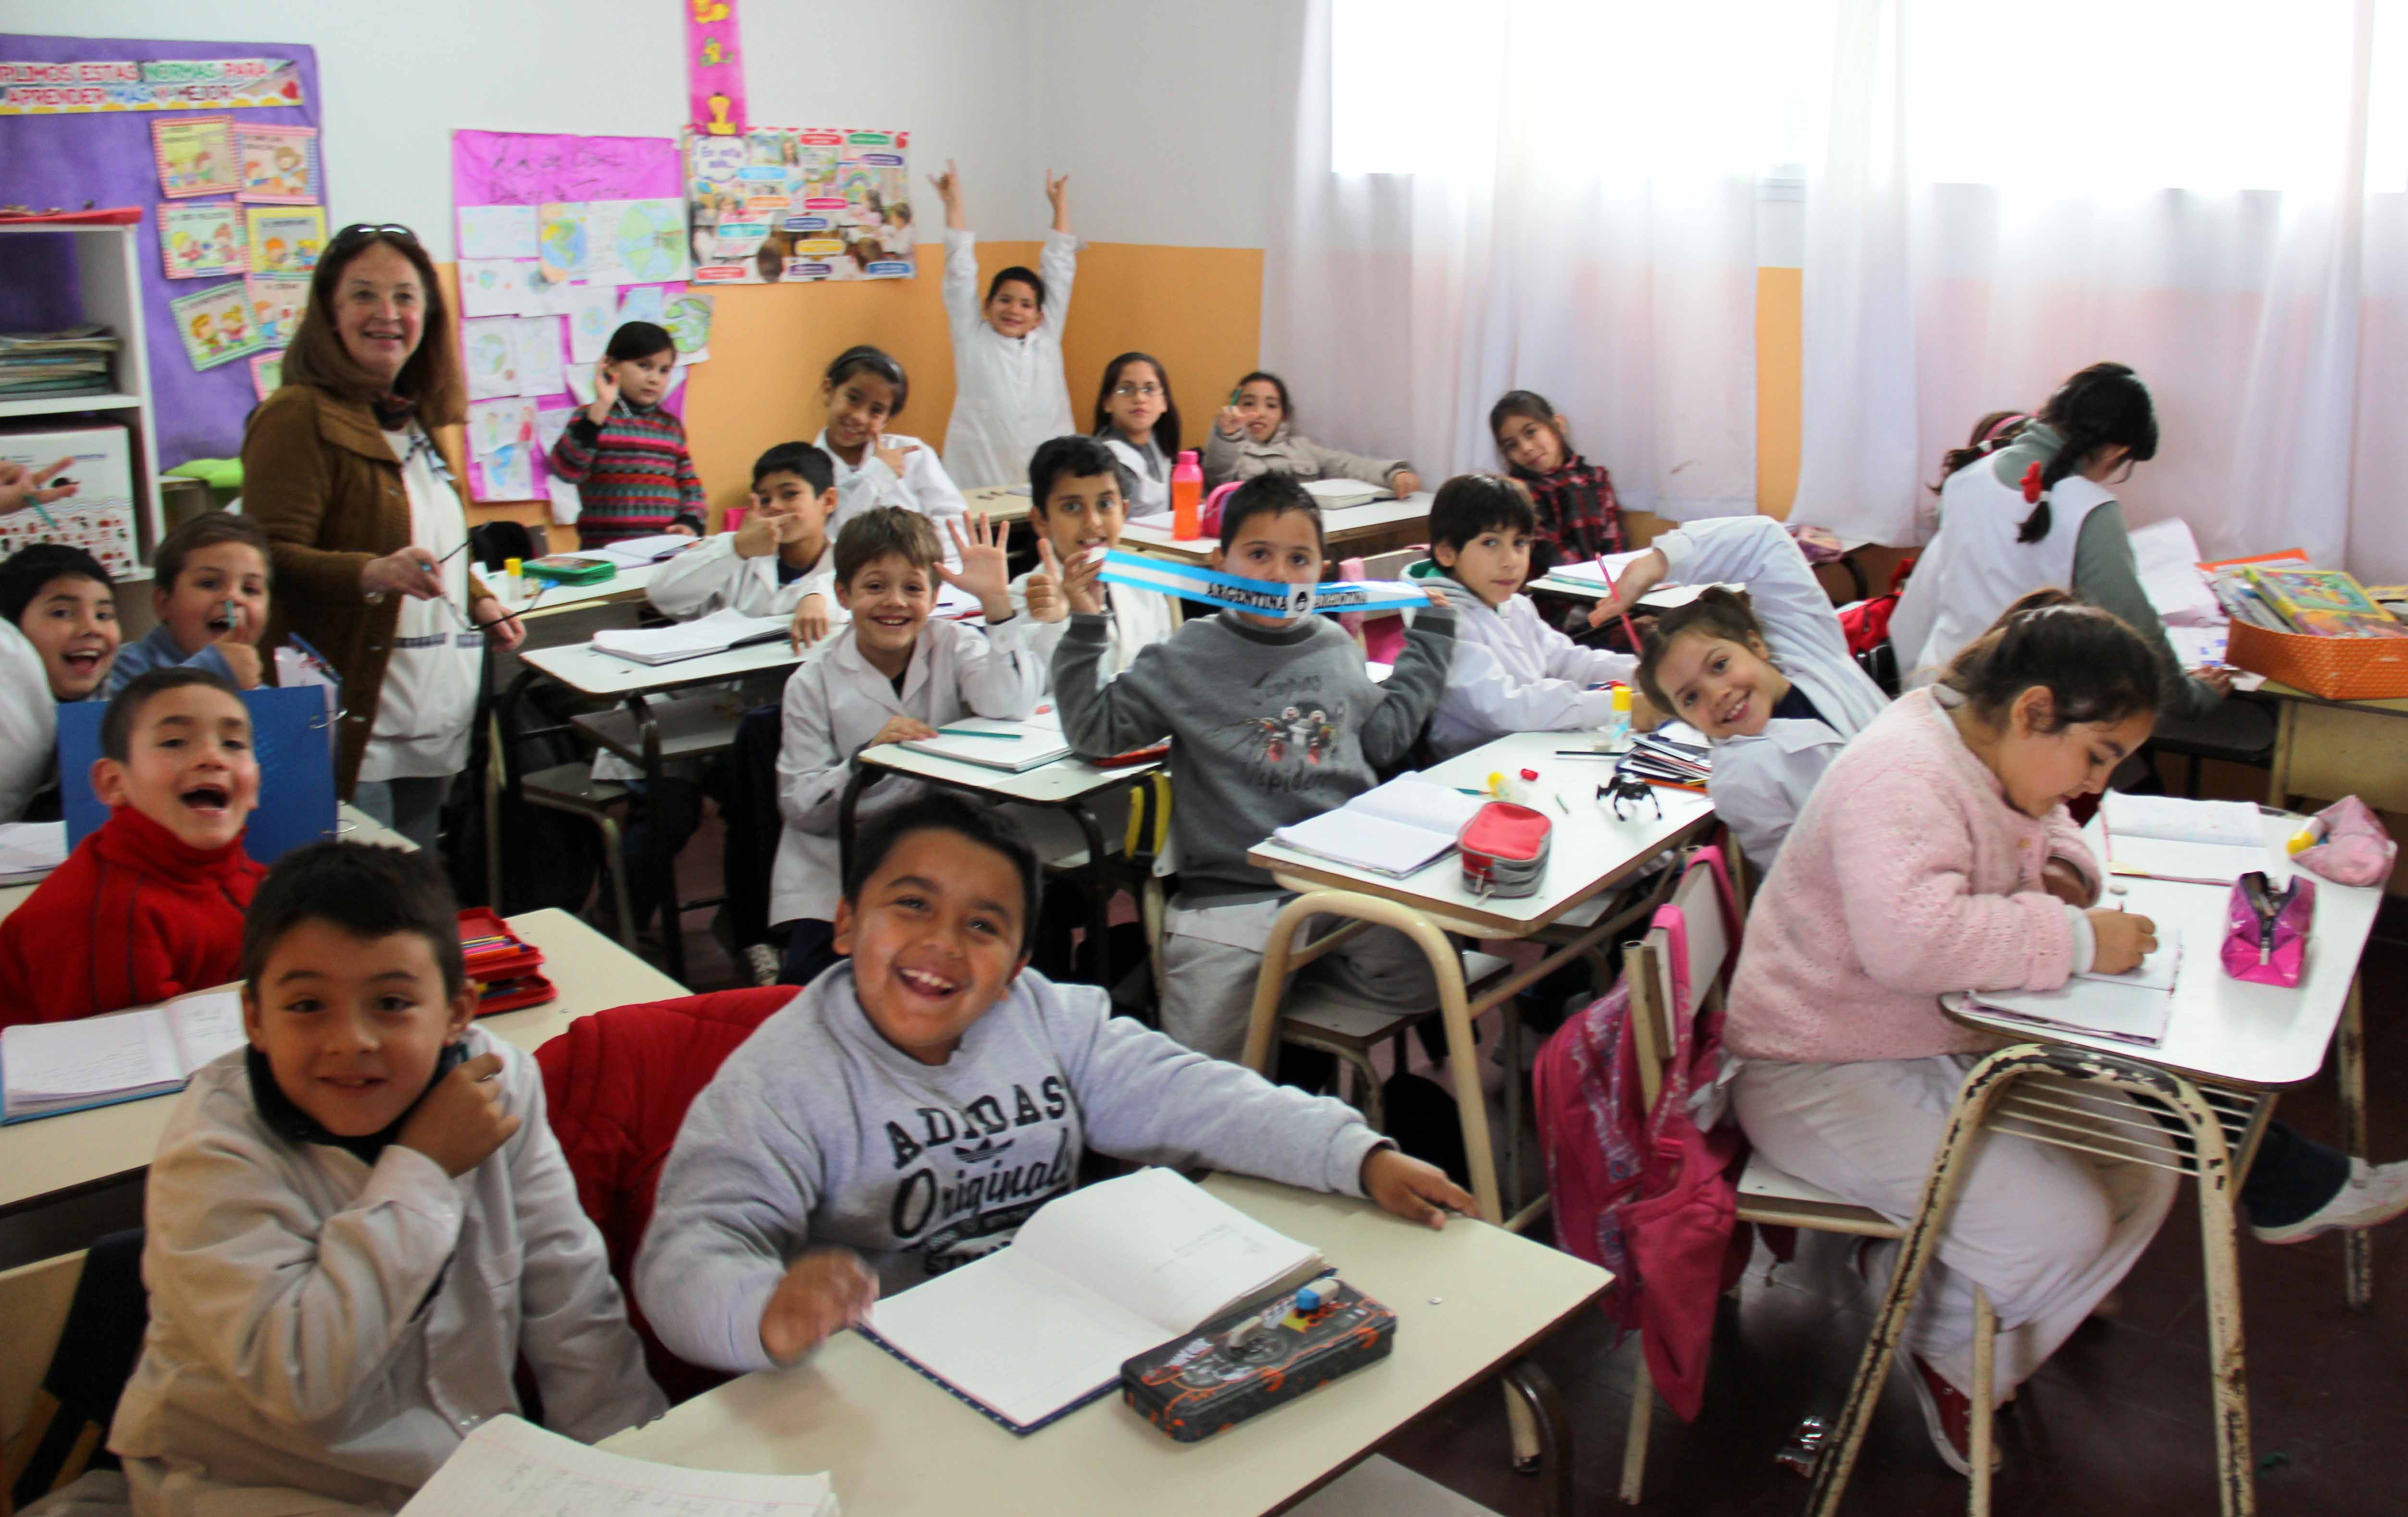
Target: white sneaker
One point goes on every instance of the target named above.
(2374, 1193)
(761, 962)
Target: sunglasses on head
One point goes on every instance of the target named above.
(363, 231)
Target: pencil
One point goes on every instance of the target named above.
(43, 511)
(972, 732)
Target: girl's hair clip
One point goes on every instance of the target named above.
(2031, 485)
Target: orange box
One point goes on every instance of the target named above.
(2337, 668)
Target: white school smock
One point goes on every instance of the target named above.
(1761, 783)
(1974, 569)
(710, 577)
(924, 486)
(1511, 672)
(1009, 393)
(428, 700)
(318, 1324)
(1140, 617)
(836, 703)
(29, 723)
(1149, 475)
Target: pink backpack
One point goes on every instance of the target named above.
(1647, 1194)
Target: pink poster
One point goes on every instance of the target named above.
(535, 168)
(714, 68)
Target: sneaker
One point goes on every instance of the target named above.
(2374, 1193)
(1948, 1415)
(761, 962)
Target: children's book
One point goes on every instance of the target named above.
(49, 1068)
(1393, 830)
(997, 743)
(2196, 842)
(509, 1468)
(2322, 602)
(1095, 1278)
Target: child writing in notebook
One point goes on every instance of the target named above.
(211, 597)
(1932, 857)
(360, 1226)
(150, 905)
(1255, 434)
(1076, 504)
(890, 676)
(1275, 721)
(864, 390)
(1578, 519)
(830, 1159)
(1139, 421)
(1009, 390)
(1511, 672)
(58, 635)
(626, 454)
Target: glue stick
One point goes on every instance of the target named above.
(1615, 734)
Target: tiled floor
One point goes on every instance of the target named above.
(2116, 1424)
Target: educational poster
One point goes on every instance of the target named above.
(286, 239)
(501, 448)
(279, 164)
(799, 204)
(202, 239)
(85, 85)
(275, 303)
(267, 373)
(195, 156)
(215, 325)
(490, 352)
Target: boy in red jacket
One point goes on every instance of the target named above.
(152, 904)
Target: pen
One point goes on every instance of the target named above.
(972, 732)
(44, 512)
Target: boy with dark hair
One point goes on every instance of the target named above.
(58, 633)
(890, 676)
(777, 562)
(1511, 671)
(150, 905)
(833, 1155)
(361, 1225)
(1077, 502)
(210, 596)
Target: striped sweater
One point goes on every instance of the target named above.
(632, 473)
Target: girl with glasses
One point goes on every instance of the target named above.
(1137, 419)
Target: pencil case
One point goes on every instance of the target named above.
(570, 569)
(2347, 845)
(2265, 932)
(490, 951)
(1260, 1357)
(514, 995)
(1504, 849)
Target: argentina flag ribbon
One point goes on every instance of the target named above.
(1263, 597)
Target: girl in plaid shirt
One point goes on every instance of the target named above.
(1578, 515)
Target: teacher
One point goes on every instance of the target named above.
(342, 470)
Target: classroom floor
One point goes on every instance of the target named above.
(2116, 1423)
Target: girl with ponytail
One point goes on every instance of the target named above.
(2032, 509)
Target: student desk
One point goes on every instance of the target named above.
(1470, 1302)
(1349, 531)
(2327, 749)
(998, 503)
(543, 599)
(1067, 784)
(1591, 851)
(47, 1161)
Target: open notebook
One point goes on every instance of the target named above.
(997, 743)
(509, 1468)
(49, 1067)
(1393, 830)
(2197, 842)
(1093, 1279)
(2133, 1008)
(698, 638)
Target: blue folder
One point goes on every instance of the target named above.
(293, 738)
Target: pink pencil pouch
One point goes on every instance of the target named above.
(2266, 931)
(2350, 847)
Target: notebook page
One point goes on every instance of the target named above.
(508, 1467)
(1365, 842)
(2135, 1014)
(93, 1056)
(1160, 1246)
(1416, 802)
(1590, 572)
(696, 638)
(205, 1024)
(1013, 1334)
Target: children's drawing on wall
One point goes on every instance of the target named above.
(490, 349)
(286, 240)
(687, 316)
(215, 324)
(561, 240)
(195, 156)
(202, 240)
(501, 445)
(279, 164)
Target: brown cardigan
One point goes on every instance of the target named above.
(321, 482)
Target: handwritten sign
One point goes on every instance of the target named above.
(537, 168)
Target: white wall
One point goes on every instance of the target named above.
(1155, 110)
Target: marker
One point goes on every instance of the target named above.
(971, 732)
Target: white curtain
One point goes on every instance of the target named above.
(1543, 194)
(2207, 190)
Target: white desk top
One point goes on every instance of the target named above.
(1337, 528)
(1058, 783)
(67, 1153)
(1467, 1301)
(1591, 847)
(580, 667)
(2228, 1031)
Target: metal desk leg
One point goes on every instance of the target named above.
(1100, 895)
(2278, 777)
(1538, 1399)
(2356, 1243)
(648, 732)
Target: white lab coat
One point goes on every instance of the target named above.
(836, 704)
(320, 1324)
(29, 723)
(924, 486)
(1149, 475)
(710, 577)
(1009, 393)
(1974, 569)
(1511, 672)
(1140, 617)
(1761, 783)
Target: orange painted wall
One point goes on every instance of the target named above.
(1199, 310)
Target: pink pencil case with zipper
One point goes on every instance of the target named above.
(2266, 931)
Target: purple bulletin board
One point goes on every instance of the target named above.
(103, 157)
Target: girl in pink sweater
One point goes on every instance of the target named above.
(1937, 855)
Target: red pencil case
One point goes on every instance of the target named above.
(511, 995)
(1504, 849)
(491, 950)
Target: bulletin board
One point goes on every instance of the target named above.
(108, 158)
(560, 239)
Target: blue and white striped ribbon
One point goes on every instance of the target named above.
(1263, 597)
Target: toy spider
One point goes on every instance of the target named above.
(1627, 791)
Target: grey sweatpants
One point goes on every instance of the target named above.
(1210, 989)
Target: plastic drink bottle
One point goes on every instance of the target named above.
(1187, 496)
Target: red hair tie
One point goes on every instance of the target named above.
(2031, 485)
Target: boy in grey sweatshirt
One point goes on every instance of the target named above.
(1276, 721)
(911, 1109)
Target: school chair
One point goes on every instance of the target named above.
(98, 1341)
(2240, 731)
(568, 787)
(1661, 1025)
(616, 1086)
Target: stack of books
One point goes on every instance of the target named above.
(74, 361)
(1662, 759)
(2285, 593)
